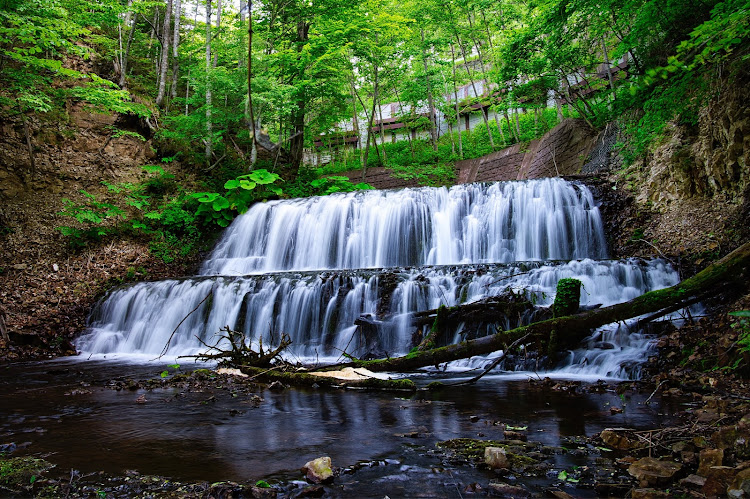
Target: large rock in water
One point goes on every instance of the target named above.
(318, 470)
(649, 471)
(496, 458)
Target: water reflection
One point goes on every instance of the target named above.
(201, 436)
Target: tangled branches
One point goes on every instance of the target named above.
(240, 352)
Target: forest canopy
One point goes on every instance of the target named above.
(182, 66)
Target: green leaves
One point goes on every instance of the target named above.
(337, 183)
(241, 192)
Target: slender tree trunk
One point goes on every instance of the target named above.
(176, 48)
(511, 130)
(430, 100)
(254, 147)
(401, 109)
(484, 75)
(297, 141)
(187, 93)
(164, 64)
(355, 120)
(209, 126)
(609, 68)
(455, 94)
(124, 65)
(370, 120)
(218, 29)
(382, 132)
(476, 94)
(27, 133)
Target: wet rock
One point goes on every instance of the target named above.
(473, 488)
(718, 480)
(499, 489)
(8, 448)
(609, 489)
(681, 446)
(708, 459)
(649, 494)
(312, 491)
(650, 471)
(687, 457)
(263, 493)
(740, 486)
(496, 458)
(615, 410)
(559, 494)
(515, 435)
(618, 439)
(141, 399)
(318, 470)
(473, 419)
(700, 442)
(276, 385)
(693, 482)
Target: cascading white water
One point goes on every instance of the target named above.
(318, 310)
(453, 242)
(548, 219)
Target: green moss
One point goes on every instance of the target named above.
(567, 298)
(473, 450)
(21, 472)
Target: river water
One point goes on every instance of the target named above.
(63, 409)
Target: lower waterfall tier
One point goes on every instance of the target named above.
(318, 310)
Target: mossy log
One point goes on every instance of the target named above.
(731, 271)
(305, 379)
(485, 310)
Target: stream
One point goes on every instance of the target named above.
(67, 415)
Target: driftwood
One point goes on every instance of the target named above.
(305, 379)
(729, 272)
(240, 353)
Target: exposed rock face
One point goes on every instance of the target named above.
(713, 163)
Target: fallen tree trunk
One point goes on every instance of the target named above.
(730, 271)
(305, 379)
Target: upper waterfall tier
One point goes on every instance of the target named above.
(549, 219)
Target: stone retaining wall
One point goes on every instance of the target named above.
(561, 151)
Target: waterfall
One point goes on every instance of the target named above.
(310, 268)
(548, 219)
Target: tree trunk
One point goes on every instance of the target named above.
(401, 109)
(254, 147)
(218, 28)
(176, 48)
(382, 133)
(209, 127)
(355, 120)
(27, 133)
(124, 66)
(455, 93)
(164, 64)
(729, 272)
(430, 100)
(609, 69)
(476, 94)
(297, 141)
